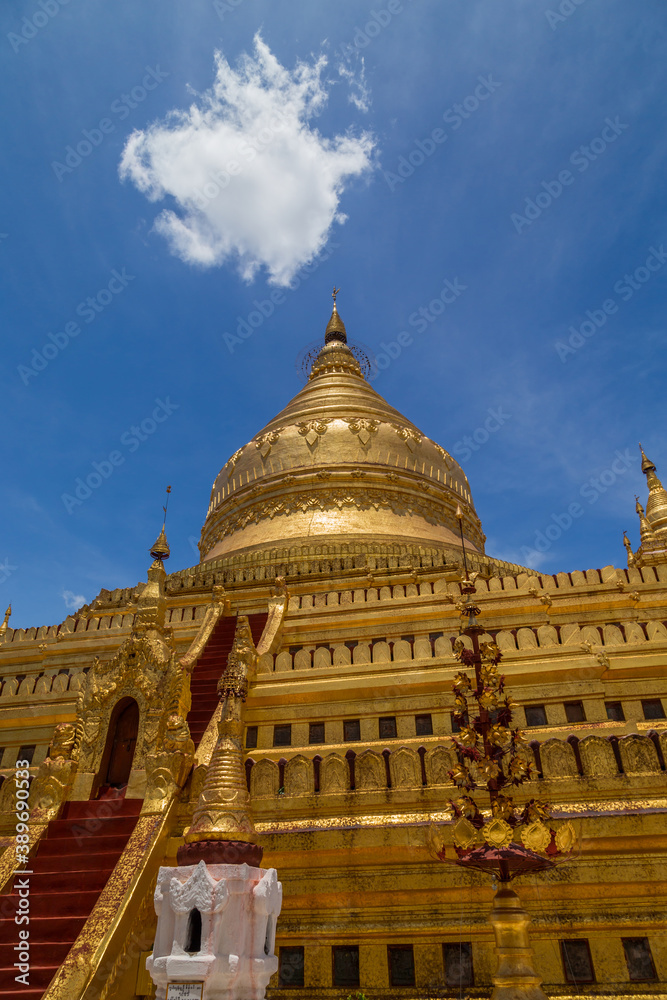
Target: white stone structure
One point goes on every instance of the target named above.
(216, 926)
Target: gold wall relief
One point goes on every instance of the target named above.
(369, 771)
(264, 442)
(313, 429)
(231, 462)
(438, 762)
(56, 773)
(334, 775)
(168, 767)
(558, 760)
(146, 670)
(299, 776)
(431, 508)
(405, 769)
(411, 437)
(447, 459)
(264, 780)
(638, 754)
(364, 429)
(597, 757)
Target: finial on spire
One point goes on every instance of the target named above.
(645, 530)
(160, 548)
(164, 520)
(3, 627)
(647, 464)
(335, 327)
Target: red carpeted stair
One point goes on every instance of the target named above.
(209, 667)
(72, 865)
(80, 849)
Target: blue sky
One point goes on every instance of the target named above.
(533, 200)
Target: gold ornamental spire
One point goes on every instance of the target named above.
(335, 327)
(151, 602)
(645, 531)
(3, 627)
(647, 464)
(223, 810)
(656, 505)
(160, 548)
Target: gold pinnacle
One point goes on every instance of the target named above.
(223, 810)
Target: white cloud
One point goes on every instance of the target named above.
(360, 94)
(252, 179)
(73, 601)
(526, 556)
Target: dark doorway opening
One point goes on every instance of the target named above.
(193, 936)
(120, 746)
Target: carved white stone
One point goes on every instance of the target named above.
(238, 907)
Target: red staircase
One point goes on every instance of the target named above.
(74, 860)
(79, 851)
(209, 667)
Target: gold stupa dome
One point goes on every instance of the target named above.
(339, 464)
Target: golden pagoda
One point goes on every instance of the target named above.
(294, 693)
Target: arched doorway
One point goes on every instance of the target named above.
(121, 742)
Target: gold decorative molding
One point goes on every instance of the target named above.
(264, 442)
(137, 941)
(168, 767)
(231, 462)
(312, 429)
(220, 605)
(55, 776)
(377, 497)
(143, 669)
(363, 428)
(411, 436)
(447, 459)
(270, 638)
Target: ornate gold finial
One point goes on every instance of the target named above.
(223, 810)
(335, 327)
(645, 530)
(3, 627)
(628, 548)
(160, 548)
(647, 464)
(656, 505)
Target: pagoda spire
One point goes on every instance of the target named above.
(656, 504)
(335, 327)
(647, 464)
(160, 548)
(3, 627)
(645, 531)
(222, 829)
(152, 602)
